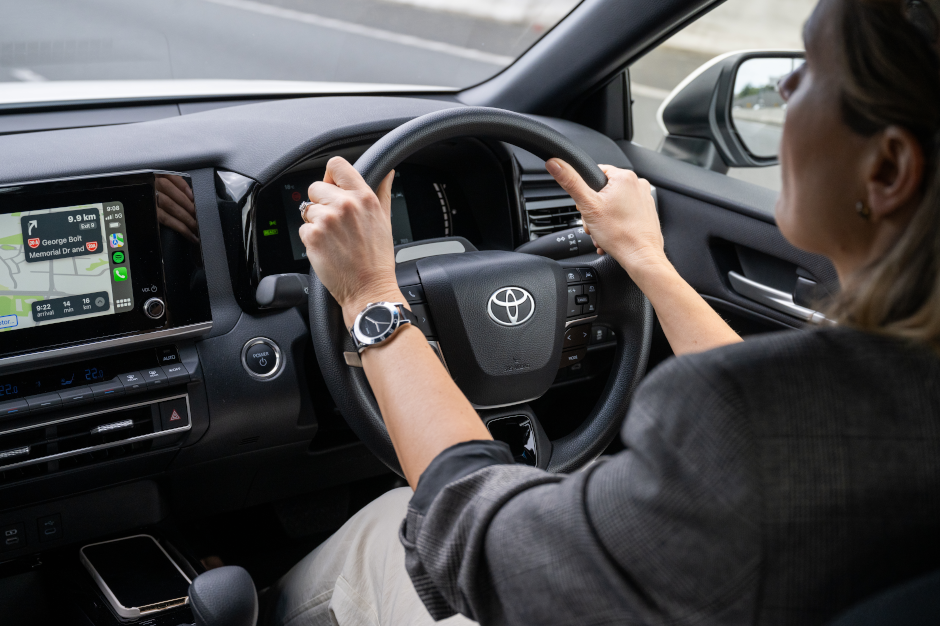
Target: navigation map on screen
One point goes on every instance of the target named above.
(60, 264)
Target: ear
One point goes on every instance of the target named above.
(895, 172)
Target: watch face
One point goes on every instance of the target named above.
(375, 322)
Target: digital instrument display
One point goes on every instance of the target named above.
(63, 263)
(424, 206)
(295, 192)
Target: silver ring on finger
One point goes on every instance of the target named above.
(303, 210)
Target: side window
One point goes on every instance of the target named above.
(736, 25)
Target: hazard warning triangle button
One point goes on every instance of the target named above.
(173, 414)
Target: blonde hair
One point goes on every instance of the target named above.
(892, 77)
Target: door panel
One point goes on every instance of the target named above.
(715, 226)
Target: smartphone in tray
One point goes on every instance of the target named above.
(136, 575)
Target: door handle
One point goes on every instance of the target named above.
(773, 298)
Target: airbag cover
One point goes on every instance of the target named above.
(498, 349)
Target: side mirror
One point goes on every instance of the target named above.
(729, 113)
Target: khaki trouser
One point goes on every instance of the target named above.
(356, 577)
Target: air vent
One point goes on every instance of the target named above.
(68, 442)
(548, 208)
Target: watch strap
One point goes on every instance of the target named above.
(408, 315)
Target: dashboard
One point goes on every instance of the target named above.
(135, 361)
(456, 189)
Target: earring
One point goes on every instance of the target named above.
(863, 210)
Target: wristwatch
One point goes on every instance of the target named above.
(378, 322)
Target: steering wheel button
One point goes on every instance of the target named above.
(574, 308)
(591, 305)
(590, 289)
(413, 293)
(577, 336)
(573, 357)
(425, 325)
(598, 334)
(580, 299)
(573, 276)
(587, 274)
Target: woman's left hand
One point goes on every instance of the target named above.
(348, 236)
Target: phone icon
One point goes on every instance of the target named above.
(120, 273)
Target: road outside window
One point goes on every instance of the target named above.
(735, 25)
(438, 43)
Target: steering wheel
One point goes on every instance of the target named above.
(497, 355)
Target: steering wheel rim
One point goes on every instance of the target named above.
(349, 386)
(540, 139)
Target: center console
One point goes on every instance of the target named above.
(102, 292)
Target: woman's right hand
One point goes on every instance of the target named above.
(621, 218)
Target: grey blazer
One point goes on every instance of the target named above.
(777, 481)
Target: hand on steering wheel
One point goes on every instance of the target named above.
(497, 363)
(348, 236)
(621, 218)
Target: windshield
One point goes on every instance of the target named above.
(445, 43)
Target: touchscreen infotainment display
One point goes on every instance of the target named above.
(63, 263)
(96, 259)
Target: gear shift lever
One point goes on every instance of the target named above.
(224, 596)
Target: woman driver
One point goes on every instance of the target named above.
(775, 481)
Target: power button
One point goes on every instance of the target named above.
(261, 358)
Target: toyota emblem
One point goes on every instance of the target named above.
(511, 306)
